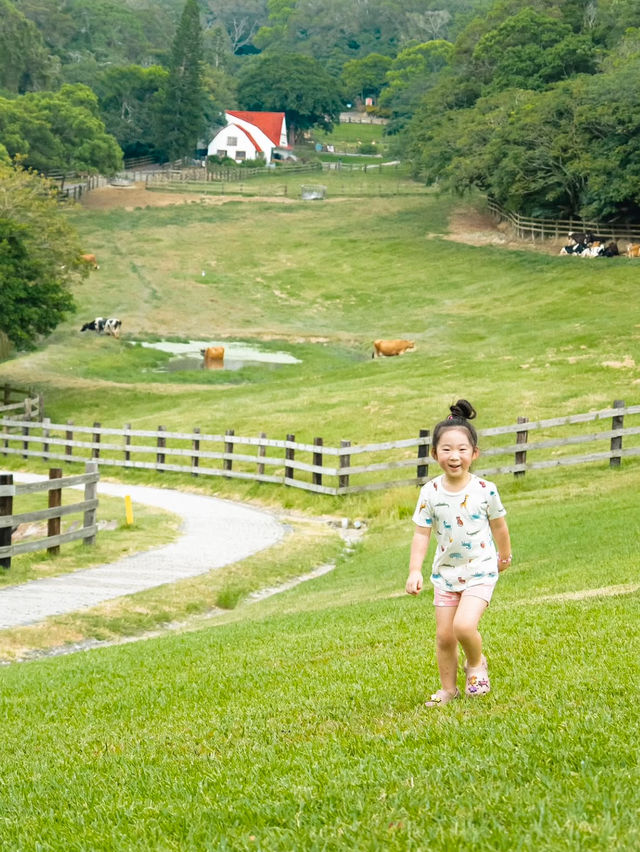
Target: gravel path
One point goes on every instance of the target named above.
(214, 533)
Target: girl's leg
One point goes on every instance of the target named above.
(465, 628)
(447, 647)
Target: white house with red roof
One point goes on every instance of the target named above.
(249, 136)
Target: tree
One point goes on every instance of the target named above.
(39, 257)
(363, 78)
(59, 131)
(413, 72)
(530, 50)
(297, 85)
(181, 111)
(26, 64)
(128, 99)
(240, 19)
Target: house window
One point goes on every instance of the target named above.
(221, 152)
(232, 141)
(241, 155)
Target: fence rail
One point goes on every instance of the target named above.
(53, 514)
(528, 227)
(323, 469)
(21, 402)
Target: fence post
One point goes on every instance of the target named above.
(6, 509)
(345, 461)
(161, 444)
(289, 454)
(616, 443)
(45, 438)
(6, 395)
(40, 406)
(195, 446)
(55, 501)
(317, 460)
(25, 443)
(5, 443)
(262, 451)
(90, 493)
(68, 436)
(521, 438)
(423, 453)
(127, 443)
(228, 448)
(95, 452)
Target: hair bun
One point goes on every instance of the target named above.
(463, 408)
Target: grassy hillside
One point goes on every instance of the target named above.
(297, 722)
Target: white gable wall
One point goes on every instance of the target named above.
(231, 140)
(234, 129)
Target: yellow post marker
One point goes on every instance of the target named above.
(128, 510)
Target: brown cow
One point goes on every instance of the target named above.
(90, 259)
(391, 347)
(633, 250)
(213, 357)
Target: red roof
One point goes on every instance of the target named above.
(269, 122)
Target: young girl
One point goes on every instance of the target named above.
(467, 516)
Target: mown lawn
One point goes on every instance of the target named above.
(297, 722)
(303, 727)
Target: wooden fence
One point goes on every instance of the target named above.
(21, 403)
(333, 470)
(9, 519)
(528, 227)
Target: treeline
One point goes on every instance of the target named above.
(536, 105)
(532, 102)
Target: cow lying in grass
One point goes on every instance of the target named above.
(391, 347)
(101, 325)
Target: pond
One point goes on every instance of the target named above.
(187, 356)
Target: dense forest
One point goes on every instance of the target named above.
(533, 102)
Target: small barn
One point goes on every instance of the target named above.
(250, 136)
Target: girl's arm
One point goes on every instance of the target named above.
(419, 547)
(500, 533)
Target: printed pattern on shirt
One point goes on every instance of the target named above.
(465, 553)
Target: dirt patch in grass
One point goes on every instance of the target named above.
(130, 197)
(475, 227)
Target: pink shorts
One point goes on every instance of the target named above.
(483, 591)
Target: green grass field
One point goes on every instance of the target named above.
(296, 722)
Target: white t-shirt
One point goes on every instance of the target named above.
(465, 553)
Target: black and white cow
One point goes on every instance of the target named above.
(95, 325)
(101, 325)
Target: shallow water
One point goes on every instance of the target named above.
(236, 355)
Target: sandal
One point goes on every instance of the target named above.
(477, 679)
(441, 697)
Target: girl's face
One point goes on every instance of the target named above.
(455, 454)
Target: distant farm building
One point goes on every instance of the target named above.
(251, 136)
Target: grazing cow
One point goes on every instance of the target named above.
(213, 357)
(100, 324)
(391, 347)
(90, 259)
(95, 325)
(633, 250)
(112, 326)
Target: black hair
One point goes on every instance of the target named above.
(461, 413)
